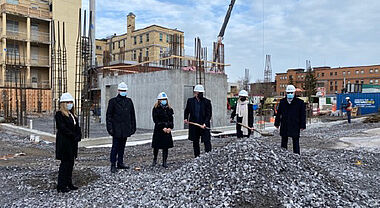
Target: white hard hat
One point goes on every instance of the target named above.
(347, 98)
(66, 97)
(122, 86)
(243, 93)
(199, 88)
(290, 88)
(162, 96)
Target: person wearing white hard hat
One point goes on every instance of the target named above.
(348, 108)
(244, 115)
(199, 111)
(121, 124)
(162, 115)
(291, 118)
(67, 138)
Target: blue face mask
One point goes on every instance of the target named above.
(69, 106)
(123, 94)
(290, 96)
(164, 102)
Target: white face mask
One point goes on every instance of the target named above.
(69, 106)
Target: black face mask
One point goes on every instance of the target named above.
(200, 95)
(243, 99)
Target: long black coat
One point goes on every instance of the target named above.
(250, 116)
(291, 117)
(205, 117)
(120, 118)
(162, 118)
(67, 138)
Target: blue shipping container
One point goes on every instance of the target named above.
(366, 102)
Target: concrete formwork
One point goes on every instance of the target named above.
(178, 84)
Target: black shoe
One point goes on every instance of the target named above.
(63, 190)
(113, 169)
(164, 164)
(154, 163)
(72, 187)
(122, 166)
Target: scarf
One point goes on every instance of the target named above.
(242, 111)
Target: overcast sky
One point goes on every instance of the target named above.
(329, 33)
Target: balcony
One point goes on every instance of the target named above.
(41, 37)
(39, 61)
(25, 11)
(16, 35)
(44, 84)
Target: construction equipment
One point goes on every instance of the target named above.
(253, 129)
(201, 126)
(218, 46)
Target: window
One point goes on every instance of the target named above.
(377, 81)
(331, 73)
(336, 88)
(161, 37)
(147, 37)
(336, 82)
(140, 55)
(362, 71)
(349, 72)
(13, 49)
(357, 81)
(113, 45)
(135, 40)
(12, 26)
(336, 73)
(357, 72)
(119, 44)
(124, 43)
(331, 88)
(167, 38)
(134, 55)
(12, 1)
(98, 47)
(318, 75)
(371, 81)
(349, 82)
(34, 31)
(323, 74)
(376, 70)
(141, 39)
(371, 71)
(361, 81)
(344, 73)
(331, 83)
(147, 52)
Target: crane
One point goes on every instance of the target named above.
(218, 46)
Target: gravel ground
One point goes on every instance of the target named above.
(252, 172)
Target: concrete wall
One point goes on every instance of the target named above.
(144, 88)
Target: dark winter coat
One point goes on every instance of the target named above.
(205, 117)
(291, 117)
(250, 116)
(162, 118)
(67, 138)
(120, 118)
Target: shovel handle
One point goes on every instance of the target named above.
(197, 124)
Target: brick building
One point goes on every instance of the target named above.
(333, 80)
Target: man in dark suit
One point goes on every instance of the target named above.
(121, 124)
(198, 110)
(291, 118)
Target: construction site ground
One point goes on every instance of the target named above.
(343, 158)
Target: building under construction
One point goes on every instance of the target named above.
(37, 51)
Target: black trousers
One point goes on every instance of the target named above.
(117, 150)
(165, 153)
(239, 132)
(65, 173)
(296, 143)
(206, 141)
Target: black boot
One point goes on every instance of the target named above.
(154, 163)
(122, 166)
(63, 190)
(113, 168)
(72, 187)
(164, 158)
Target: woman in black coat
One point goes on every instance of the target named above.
(163, 124)
(67, 138)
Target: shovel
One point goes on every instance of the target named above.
(253, 129)
(200, 126)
